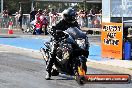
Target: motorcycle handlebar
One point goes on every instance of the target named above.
(57, 33)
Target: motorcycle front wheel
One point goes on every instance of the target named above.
(81, 80)
(81, 72)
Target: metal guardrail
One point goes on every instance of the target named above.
(94, 23)
(4, 22)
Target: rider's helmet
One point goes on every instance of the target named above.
(69, 15)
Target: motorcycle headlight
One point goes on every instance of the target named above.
(81, 43)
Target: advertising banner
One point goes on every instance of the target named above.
(111, 40)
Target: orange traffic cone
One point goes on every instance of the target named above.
(10, 31)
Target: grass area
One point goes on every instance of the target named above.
(130, 68)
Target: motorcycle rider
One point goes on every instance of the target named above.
(68, 20)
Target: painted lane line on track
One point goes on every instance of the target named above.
(19, 48)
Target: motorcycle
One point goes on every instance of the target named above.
(41, 26)
(71, 54)
(29, 29)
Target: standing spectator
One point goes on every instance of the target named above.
(32, 15)
(16, 19)
(38, 14)
(96, 22)
(45, 12)
(20, 20)
(91, 14)
(5, 20)
(53, 17)
(81, 19)
(5, 13)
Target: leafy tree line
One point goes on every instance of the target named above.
(14, 6)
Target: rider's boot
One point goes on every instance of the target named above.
(49, 65)
(49, 68)
(48, 75)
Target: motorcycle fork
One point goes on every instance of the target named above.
(45, 54)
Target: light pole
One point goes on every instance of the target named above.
(20, 6)
(124, 7)
(84, 5)
(32, 7)
(86, 18)
(1, 6)
(124, 4)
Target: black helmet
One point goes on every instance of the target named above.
(69, 15)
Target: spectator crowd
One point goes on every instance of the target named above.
(91, 18)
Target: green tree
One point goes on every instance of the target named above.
(95, 6)
(14, 5)
(52, 5)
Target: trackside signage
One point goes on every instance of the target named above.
(111, 40)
